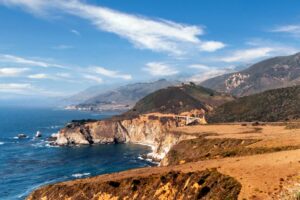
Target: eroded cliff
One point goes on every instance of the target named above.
(146, 129)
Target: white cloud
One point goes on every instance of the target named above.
(10, 72)
(25, 61)
(248, 54)
(27, 89)
(156, 35)
(15, 87)
(290, 29)
(211, 46)
(93, 78)
(75, 32)
(160, 69)
(110, 73)
(199, 67)
(39, 76)
(205, 72)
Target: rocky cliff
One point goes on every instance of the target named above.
(149, 130)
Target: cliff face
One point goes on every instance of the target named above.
(148, 130)
(170, 185)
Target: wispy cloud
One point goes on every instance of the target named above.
(93, 78)
(293, 29)
(28, 89)
(75, 32)
(204, 72)
(10, 72)
(110, 73)
(145, 33)
(15, 87)
(246, 55)
(38, 76)
(7, 58)
(160, 69)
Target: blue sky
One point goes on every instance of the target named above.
(59, 47)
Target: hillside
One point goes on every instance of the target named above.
(269, 74)
(123, 98)
(273, 105)
(179, 99)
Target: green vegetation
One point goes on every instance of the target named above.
(273, 105)
(179, 99)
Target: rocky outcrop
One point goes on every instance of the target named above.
(148, 130)
(208, 184)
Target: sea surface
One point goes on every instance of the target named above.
(26, 164)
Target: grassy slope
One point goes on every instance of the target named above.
(179, 99)
(273, 105)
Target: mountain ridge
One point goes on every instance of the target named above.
(272, 73)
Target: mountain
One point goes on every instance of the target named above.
(269, 74)
(88, 93)
(124, 97)
(178, 99)
(273, 105)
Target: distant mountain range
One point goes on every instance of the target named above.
(269, 74)
(121, 98)
(273, 105)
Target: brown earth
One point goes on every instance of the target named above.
(264, 159)
(207, 184)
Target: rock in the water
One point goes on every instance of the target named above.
(22, 135)
(38, 134)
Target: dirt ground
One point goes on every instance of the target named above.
(264, 176)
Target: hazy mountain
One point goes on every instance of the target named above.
(124, 97)
(269, 74)
(88, 93)
(273, 105)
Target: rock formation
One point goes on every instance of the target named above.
(151, 130)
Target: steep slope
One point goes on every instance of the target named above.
(179, 99)
(207, 184)
(123, 98)
(273, 105)
(269, 74)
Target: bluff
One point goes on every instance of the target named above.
(150, 122)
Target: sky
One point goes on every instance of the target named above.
(55, 48)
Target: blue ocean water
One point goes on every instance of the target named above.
(26, 164)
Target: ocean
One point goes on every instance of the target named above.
(26, 164)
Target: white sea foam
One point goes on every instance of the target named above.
(1, 143)
(80, 175)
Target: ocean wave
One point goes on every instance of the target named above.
(51, 146)
(1, 143)
(55, 126)
(148, 159)
(80, 175)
